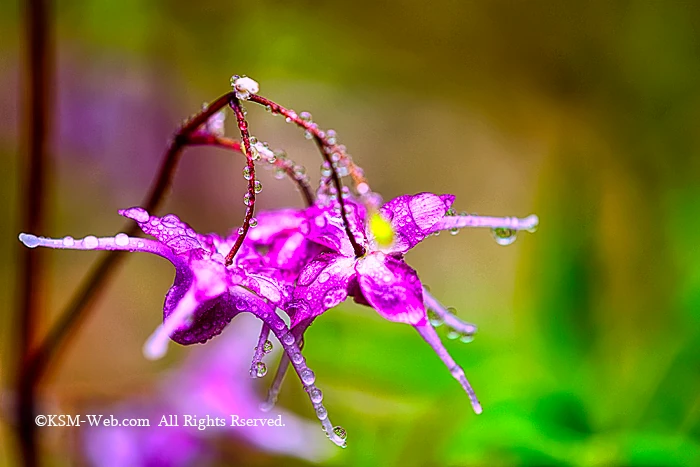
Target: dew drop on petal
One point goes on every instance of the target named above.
(288, 339)
(257, 186)
(321, 413)
(308, 377)
(260, 369)
(316, 396)
(121, 239)
(253, 223)
(90, 242)
(68, 241)
(452, 334)
(297, 358)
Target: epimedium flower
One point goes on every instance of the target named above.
(206, 294)
(378, 276)
(301, 262)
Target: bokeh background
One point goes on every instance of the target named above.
(588, 350)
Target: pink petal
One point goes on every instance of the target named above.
(392, 288)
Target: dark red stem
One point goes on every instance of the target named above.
(30, 265)
(250, 206)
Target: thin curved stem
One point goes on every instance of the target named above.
(327, 148)
(250, 196)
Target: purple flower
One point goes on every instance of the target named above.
(381, 278)
(206, 295)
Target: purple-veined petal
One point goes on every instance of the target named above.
(169, 230)
(193, 311)
(321, 285)
(413, 216)
(392, 288)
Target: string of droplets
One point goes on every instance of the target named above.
(340, 161)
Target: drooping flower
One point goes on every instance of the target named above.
(206, 294)
(380, 278)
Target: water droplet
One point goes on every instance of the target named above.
(452, 310)
(279, 173)
(452, 334)
(467, 338)
(297, 358)
(90, 242)
(454, 231)
(288, 339)
(323, 277)
(267, 347)
(253, 223)
(121, 239)
(68, 241)
(246, 173)
(434, 319)
(308, 134)
(241, 305)
(247, 199)
(340, 432)
(140, 244)
(316, 396)
(260, 369)
(504, 236)
(321, 412)
(241, 230)
(308, 377)
(306, 116)
(257, 186)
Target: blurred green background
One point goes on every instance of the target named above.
(588, 350)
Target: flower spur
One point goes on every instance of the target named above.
(206, 294)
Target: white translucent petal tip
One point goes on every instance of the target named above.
(29, 240)
(155, 347)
